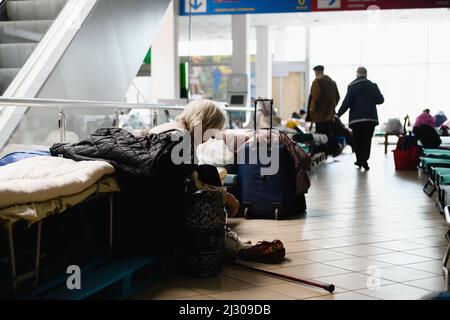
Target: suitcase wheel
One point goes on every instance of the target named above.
(246, 210)
(276, 211)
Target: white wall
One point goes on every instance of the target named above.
(165, 61)
(409, 61)
(141, 91)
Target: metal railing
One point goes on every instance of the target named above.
(116, 109)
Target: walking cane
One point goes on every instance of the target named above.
(328, 287)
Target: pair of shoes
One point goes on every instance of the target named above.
(264, 251)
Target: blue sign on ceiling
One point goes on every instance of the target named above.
(210, 7)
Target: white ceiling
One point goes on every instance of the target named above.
(218, 27)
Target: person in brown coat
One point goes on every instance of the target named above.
(322, 104)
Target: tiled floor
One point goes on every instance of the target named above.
(375, 235)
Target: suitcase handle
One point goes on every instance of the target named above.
(271, 121)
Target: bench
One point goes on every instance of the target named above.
(386, 136)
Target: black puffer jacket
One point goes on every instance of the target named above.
(362, 99)
(131, 155)
(149, 210)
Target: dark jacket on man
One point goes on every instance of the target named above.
(362, 99)
(323, 100)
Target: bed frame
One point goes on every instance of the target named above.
(34, 273)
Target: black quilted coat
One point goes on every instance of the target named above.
(149, 210)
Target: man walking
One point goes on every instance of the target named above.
(322, 107)
(362, 99)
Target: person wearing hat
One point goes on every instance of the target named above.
(322, 104)
(362, 99)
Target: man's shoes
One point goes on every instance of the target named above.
(366, 166)
(358, 164)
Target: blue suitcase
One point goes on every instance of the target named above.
(269, 196)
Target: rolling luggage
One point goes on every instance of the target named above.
(269, 196)
(407, 153)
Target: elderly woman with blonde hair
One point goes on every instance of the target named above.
(202, 119)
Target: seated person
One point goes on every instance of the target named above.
(202, 115)
(425, 119)
(295, 115)
(440, 119)
(425, 131)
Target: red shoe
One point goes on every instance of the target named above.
(264, 251)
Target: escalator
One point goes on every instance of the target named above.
(23, 25)
(69, 49)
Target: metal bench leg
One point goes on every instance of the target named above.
(37, 261)
(445, 269)
(386, 142)
(433, 190)
(15, 279)
(12, 257)
(111, 220)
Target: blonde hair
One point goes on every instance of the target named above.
(202, 112)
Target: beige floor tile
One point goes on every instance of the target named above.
(320, 255)
(357, 264)
(202, 298)
(291, 261)
(300, 246)
(400, 258)
(400, 274)
(362, 250)
(344, 296)
(435, 284)
(354, 281)
(212, 285)
(330, 243)
(433, 266)
(431, 241)
(164, 291)
(250, 294)
(311, 271)
(396, 292)
(434, 253)
(251, 277)
(399, 245)
(296, 291)
(365, 239)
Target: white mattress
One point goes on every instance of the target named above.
(44, 178)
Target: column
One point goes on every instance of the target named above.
(165, 59)
(240, 62)
(263, 72)
(307, 62)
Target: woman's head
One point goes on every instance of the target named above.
(202, 115)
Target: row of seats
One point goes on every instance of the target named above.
(436, 164)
